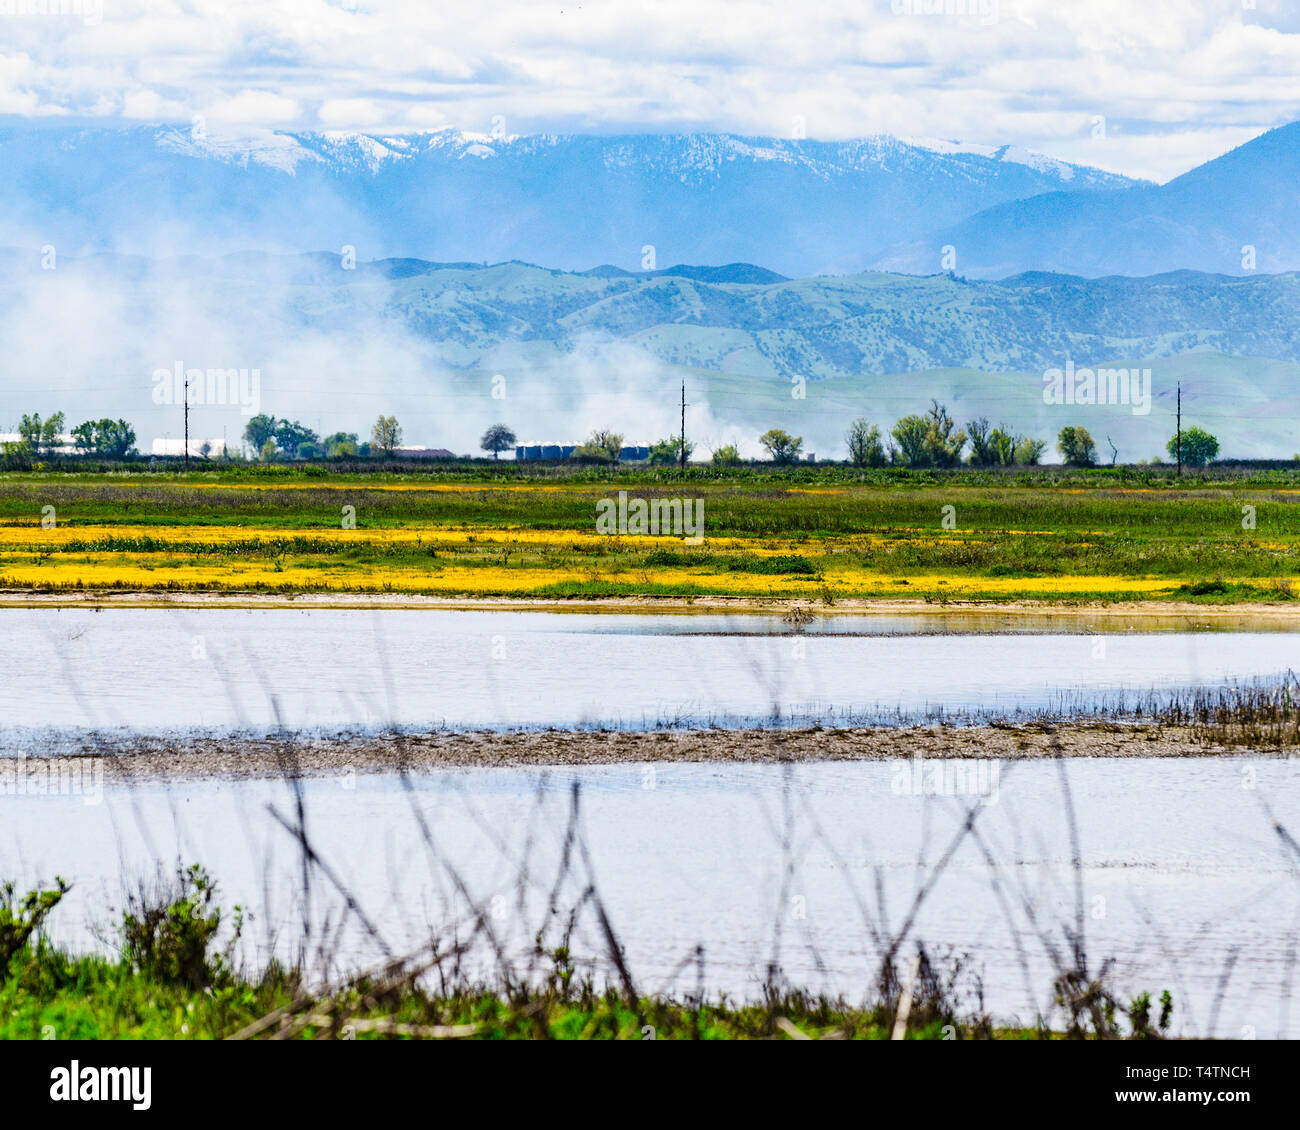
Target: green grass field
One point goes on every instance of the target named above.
(824, 533)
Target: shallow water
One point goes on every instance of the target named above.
(163, 670)
(1182, 876)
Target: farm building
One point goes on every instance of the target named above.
(537, 451)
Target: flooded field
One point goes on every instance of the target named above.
(1180, 879)
(157, 671)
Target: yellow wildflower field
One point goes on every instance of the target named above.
(33, 536)
(161, 570)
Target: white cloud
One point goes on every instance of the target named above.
(352, 113)
(252, 107)
(1177, 80)
(149, 105)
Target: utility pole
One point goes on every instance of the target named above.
(681, 454)
(1178, 435)
(187, 423)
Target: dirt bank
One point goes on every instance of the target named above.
(143, 759)
(1142, 613)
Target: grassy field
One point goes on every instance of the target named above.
(814, 533)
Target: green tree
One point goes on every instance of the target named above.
(909, 434)
(116, 438)
(496, 439)
(1076, 447)
(668, 452)
(15, 455)
(267, 451)
(726, 456)
(1029, 451)
(29, 432)
(50, 432)
(386, 434)
(1199, 447)
(292, 437)
(603, 445)
(943, 444)
(83, 435)
(781, 445)
(338, 444)
(982, 451)
(41, 436)
(865, 447)
(1002, 445)
(258, 430)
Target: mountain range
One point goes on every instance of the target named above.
(796, 207)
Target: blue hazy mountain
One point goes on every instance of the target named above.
(1201, 221)
(794, 207)
(739, 318)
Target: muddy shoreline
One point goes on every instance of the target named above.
(142, 759)
(1144, 613)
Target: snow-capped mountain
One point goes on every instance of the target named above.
(798, 207)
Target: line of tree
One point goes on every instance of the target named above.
(934, 440)
(40, 436)
(273, 438)
(110, 439)
(929, 440)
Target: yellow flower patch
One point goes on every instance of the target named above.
(161, 571)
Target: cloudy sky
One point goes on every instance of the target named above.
(1144, 87)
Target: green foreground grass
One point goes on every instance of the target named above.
(173, 979)
(50, 995)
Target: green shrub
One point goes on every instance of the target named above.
(777, 564)
(675, 558)
(20, 918)
(168, 935)
(1203, 588)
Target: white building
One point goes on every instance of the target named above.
(176, 447)
(67, 445)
